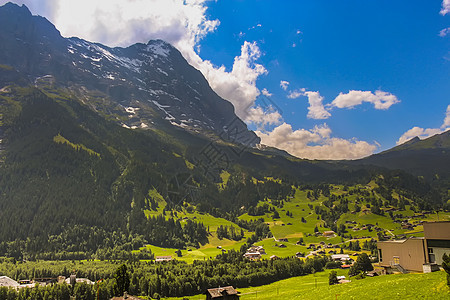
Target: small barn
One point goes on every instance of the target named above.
(226, 293)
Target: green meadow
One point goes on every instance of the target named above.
(288, 225)
(315, 286)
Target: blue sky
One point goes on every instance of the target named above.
(359, 76)
(337, 46)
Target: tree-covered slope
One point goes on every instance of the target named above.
(429, 158)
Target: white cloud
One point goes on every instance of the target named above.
(266, 93)
(181, 23)
(446, 123)
(296, 94)
(419, 132)
(316, 143)
(316, 110)
(444, 32)
(264, 117)
(423, 133)
(284, 84)
(239, 85)
(381, 100)
(122, 23)
(445, 7)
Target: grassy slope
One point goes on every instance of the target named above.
(206, 251)
(298, 206)
(315, 286)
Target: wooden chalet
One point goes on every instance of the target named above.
(226, 293)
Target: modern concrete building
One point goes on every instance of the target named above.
(420, 254)
(437, 237)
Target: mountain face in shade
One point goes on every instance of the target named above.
(144, 85)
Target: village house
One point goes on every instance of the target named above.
(329, 233)
(252, 255)
(254, 249)
(254, 252)
(73, 280)
(226, 293)
(420, 254)
(163, 258)
(340, 257)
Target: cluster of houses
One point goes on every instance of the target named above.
(344, 259)
(11, 283)
(353, 225)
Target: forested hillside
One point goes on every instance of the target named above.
(73, 181)
(102, 150)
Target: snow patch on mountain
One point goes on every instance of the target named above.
(131, 110)
(159, 48)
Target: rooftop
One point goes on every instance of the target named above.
(8, 282)
(222, 291)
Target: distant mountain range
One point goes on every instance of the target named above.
(429, 157)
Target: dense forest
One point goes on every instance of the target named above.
(170, 279)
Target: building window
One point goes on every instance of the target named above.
(396, 260)
(431, 257)
(380, 256)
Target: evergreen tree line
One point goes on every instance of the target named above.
(229, 232)
(175, 279)
(82, 242)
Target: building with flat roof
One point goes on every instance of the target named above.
(420, 254)
(437, 237)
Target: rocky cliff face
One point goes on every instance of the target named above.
(142, 86)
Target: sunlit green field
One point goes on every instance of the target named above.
(290, 227)
(315, 286)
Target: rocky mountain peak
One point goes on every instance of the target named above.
(153, 80)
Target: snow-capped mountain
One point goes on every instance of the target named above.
(141, 86)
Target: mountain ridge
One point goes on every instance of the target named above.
(153, 80)
(428, 157)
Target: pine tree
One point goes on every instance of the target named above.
(332, 278)
(122, 279)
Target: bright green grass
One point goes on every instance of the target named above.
(315, 286)
(59, 139)
(298, 206)
(207, 251)
(224, 176)
(290, 250)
